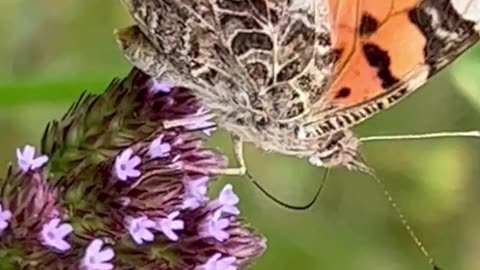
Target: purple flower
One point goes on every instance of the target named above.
(169, 224)
(159, 149)
(195, 193)
(97, 258)
(27, 161)
(156, 86)
(203, 123)
(217, 263)
(139, 229)
(5, 216)
(53, 234)
(125, 165)
(214, 226)
(226, 201)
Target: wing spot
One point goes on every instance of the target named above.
(344, 92)
(380, 59)
(368, 24)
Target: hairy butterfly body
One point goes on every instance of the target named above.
(293, 76)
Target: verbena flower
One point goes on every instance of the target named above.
(226, 201)
(158, 148)
(27, 161)
(5, 216)
(156, 86)
(123, 191)
(53, 234)
(126, 165)
(195, 193)
(216, 262)
(205, 125)
(140, 229)
(214, 226)
(97, 256)
(170, 224)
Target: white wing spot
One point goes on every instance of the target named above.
(469, 9)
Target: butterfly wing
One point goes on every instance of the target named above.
(256, 53)
(268, 45)
(388, 50)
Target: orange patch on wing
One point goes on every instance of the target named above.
(395, 35)
(404, 43)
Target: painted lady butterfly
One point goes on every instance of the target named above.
(293, 76)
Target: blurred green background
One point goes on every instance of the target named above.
(52, 50)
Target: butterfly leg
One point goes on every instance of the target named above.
(237, 145)
(239, 158)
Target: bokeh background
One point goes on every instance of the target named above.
(52, 50)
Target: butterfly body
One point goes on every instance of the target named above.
(293, 76)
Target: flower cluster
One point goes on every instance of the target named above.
(122, 183)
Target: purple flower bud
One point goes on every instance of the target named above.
(30, 201)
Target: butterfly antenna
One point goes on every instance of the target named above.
(286, 205)
(404, 221)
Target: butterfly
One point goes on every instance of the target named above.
(294, 76)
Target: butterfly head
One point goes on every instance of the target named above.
(339, 149)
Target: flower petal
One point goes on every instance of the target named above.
(39, 162)
(3, 225)
(102, 266)
(61, 245)
(4, 215)
(147, 235)
(28, 152)
(177, 225)
(227, 196)
(126, 154)
(170, 234)
(134, 161)
(106, 254)
(65, 229)
(94, 247)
